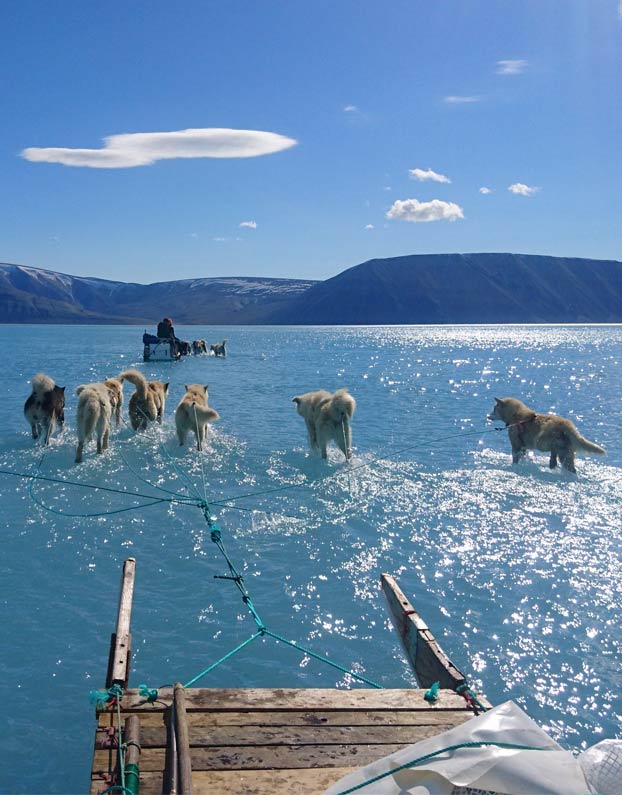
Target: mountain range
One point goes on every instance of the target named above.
(421, 288)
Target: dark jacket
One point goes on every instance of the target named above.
(165, 331)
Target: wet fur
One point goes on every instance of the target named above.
(147, 402)
(193, 414)
(219, 348)
(327, 417)
(45, 407)
(548, 433)
(96, 405)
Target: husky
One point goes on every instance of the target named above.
(219, 348)
(45, 407)
(199, 346)
(327, 416)
(193, 414)
(147, 402)
(545, 432)
(96, 405)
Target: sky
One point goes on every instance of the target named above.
(154, 141)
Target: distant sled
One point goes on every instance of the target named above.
(158, 350)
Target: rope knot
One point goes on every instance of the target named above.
(431, 695)
(216, 533)
(151, 694)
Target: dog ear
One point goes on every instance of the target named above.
(498, 400)
(296, 400)
(62, 388)
(186, 387)
(205, 387)
(166, 387)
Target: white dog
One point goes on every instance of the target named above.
(96, 404)
(327, 417)
(193, 414)
(147, 402)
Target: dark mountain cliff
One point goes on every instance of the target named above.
(464, 288)
(32, 295)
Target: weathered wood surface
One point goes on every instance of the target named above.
(428, 660)
(240, 699)
(157, 719)
(121, 641)
(253, 782)
(261, 741)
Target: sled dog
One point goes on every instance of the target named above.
(193, 414)
(147, 402)
(199, 346)
(45, 407)
(548, 433)
(219, 348)
(327, 417)
(96, 405)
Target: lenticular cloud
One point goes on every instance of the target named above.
(143, 149)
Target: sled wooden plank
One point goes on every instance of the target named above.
(121, 641)
(428, 660)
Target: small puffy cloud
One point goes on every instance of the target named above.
(423, 176)
(485, 190)
(511, 67)
(220, 239)
(461, 100)
(143, 149)
(522, 190)
(350, 109)
(248, 224)
(369, 226)
(421, 212)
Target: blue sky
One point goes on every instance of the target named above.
(372, 128)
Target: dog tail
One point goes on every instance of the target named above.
(343, 405)
(42, 383)
(205, 413)
(581, 443)
(139, 381)
(88, 414)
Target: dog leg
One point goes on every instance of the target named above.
(311, 434)
(567, 459)
(79, 452)
(553, 459)
(35, 430)
(181, 435)
(517, 454)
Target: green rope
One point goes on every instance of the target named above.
(224, 659)
(420, 759)
(323, 659)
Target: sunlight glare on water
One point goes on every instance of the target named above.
(515, 568)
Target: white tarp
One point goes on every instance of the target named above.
(496, 770)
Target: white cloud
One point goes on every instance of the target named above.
(248, 224)
(522, 190)
(421, 212)
(369, 226)
(422, 176)
(194, 235)
(511, 67)
(142, 149)
(220, 239)
(485, 190)
(350, 109)
(461, 100)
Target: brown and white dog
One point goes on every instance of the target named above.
(548, 433)
(96, 405)
(193, 414)
(327, 417)
(147, 402)
(219, 348)
(45, 407)
(199, 346)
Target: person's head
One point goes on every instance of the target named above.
(169, 320)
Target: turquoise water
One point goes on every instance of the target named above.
(515, 568)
